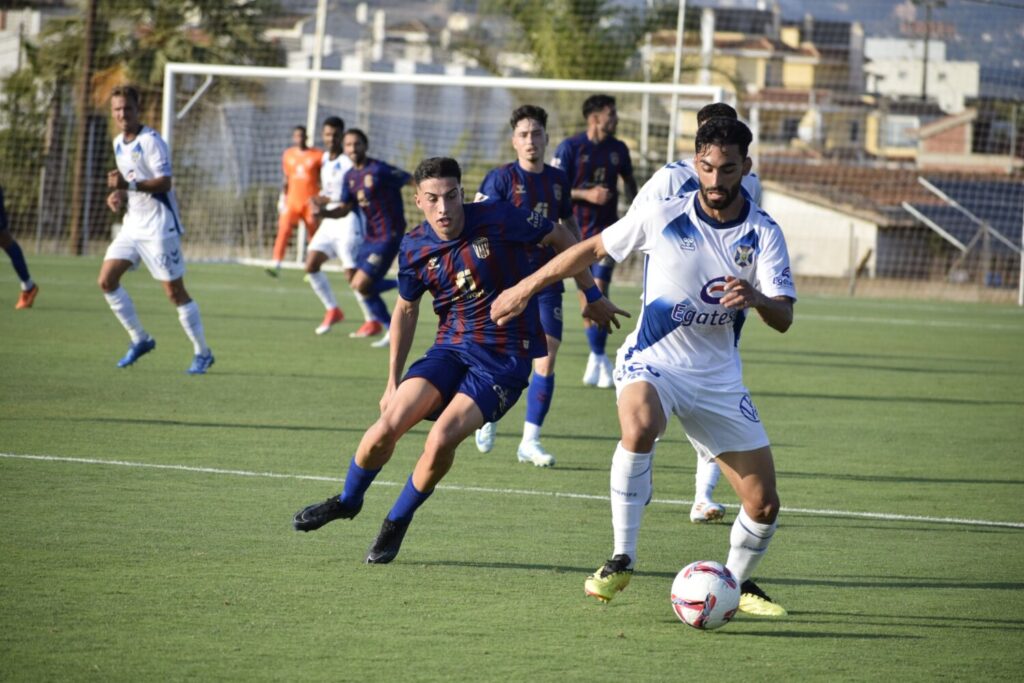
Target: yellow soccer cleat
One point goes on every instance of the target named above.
(609, 579)
(755, 601)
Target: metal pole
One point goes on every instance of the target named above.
(314, 85)
(1020, 277)
(676, 69)
(927, 39)
(82, 110)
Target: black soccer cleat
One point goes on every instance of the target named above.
(389, 541)
(753, 600)
(314, 516)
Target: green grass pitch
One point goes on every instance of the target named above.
(146, 514)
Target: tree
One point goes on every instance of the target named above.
(132, 41)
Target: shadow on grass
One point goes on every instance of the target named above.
(878, 478)
(874, 398)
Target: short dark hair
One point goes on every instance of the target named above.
(359, 134)
(335, 122)
(128, 92)
(302, 128)
(722, 131)
(715, 110)
(597, 103)
(529, 111)
(437, 167)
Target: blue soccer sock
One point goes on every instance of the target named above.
(597, 338)
(357, 481)
(386, 285)
(409, 500)
(378, 309)
(18, 261)
(538, 398)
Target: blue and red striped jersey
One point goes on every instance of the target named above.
(590, 164)
(466, 274)
(376, 189)
(547, 193)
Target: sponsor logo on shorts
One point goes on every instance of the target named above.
(748, 410)
(166, 260)
(630, 371)
(373, 259)
(481, 247)
(556, 312)
(713, 290)
(503, 397)
(783, 279)
(686, 314)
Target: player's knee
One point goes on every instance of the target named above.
(639, 435)
(763, 510)
(107, 283)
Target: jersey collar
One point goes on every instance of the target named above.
(715, 224)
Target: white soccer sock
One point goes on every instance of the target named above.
(748, 542)
(322, 288)
(367, 316)
(531, 432)
(630, 493)
(27, 285)
(708, 473)
(193, 326)
(121, 304)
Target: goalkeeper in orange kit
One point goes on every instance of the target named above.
(301, 167)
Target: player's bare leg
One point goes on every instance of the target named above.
(752, 476)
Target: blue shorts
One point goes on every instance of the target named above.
(493, 380)
(375, 258)
(550, 304)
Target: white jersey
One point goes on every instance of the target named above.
(688, 256)
(332, 173)
(149, 215)
(680, 177)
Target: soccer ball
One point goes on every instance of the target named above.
(705, 595)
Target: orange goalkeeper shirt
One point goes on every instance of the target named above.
(302, 169)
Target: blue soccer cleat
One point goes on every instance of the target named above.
(201, 363)
(137, 351)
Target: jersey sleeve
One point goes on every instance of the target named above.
(394, 176)
(346, 192)
(773, 272)
(410, 286)
(158, 157)
(563, 158)
(752, 184)
(626, 170)
(630, 233)
(491, 187)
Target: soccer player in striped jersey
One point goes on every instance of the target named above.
(375, 188)
(300, 165)
(675, 180)
(29, 289)
(464, 255)
(595, 160)
(151, 231)
(531, 184)
(703, 253)
(335, 237)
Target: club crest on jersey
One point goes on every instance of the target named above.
(713, 290)
(137, 154)
(557, 189)
(481, 247)
(433, 263)
(368, 181)
(744, 255)
(614, 158)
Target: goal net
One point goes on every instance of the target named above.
(228, 127)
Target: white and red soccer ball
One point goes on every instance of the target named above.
(705, 595)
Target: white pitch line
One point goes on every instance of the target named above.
(514, 492)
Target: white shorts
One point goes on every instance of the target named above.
(339, 238)
(162, 256)
(718, 418)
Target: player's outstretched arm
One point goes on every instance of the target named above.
(339, 211)
(598, 309)
(777, 312)
(402, 331)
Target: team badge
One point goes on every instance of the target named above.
(136, 154)
(368, 181)
(481, 247)
(744, 255)
(558, 192)
(614, 157)
(433, 263)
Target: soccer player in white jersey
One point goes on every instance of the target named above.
(336, 237)
(151, 231)
(703, 252)
(674, 180)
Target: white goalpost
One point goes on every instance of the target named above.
(227, 127)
